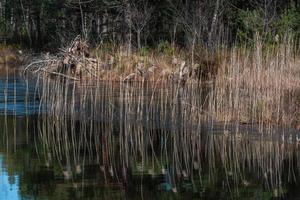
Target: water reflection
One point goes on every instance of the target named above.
(18, 96)
(109, 166)
(117, 141)
(9, 183)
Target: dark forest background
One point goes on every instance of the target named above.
(46, 24)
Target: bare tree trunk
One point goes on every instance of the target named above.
(98, 24)
(213, 23)
(186, 39)
(193, 47)
(174, 34)
(139, 39)
(265, 8)
(130, 42)
(3, 15)
(128, 20)
(63, 27)
(138, 16)
(82, 20)
(26, 24)
(38, 27)
(104, 23)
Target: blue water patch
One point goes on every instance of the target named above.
(9, 183)
(19, 108)
(18, 97)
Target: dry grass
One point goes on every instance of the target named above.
(257, 86)
(117, 126)
(169, 128)
(160, 131)
(245, 84)
(120, 63)
(10, 59)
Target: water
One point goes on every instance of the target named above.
(17, 96)
(10, 183)
(118, 141)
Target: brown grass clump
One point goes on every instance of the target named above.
(257, 86)
(108, 62)
(150, 65)
(207, 63)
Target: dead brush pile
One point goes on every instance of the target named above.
(73, 62)
(79, 62)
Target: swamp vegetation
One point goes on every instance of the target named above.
(147, 99)
(116, 140)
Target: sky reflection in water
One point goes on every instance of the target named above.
(17, 97)
(9, 184)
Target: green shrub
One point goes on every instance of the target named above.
(165, 47)
(289, 23)
(144, 51)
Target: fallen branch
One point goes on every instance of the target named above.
(62, 75)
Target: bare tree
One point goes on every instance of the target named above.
(26, 22)
(191, 18)
(128, 20)
(138, 16)
(3, 17)
(79, 4)
(214, 22)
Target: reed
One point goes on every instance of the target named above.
(223, 130)
(157, 131)
(257, 86)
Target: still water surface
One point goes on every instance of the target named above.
(111, 144)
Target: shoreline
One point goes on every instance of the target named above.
(245, 85)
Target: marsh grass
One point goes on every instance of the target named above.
(257, 86)
(145, 128)
(246, 84)
(225, 131)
